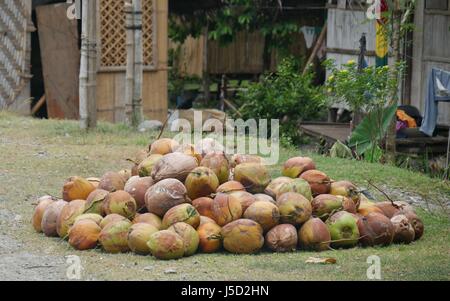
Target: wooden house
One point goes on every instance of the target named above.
(426, 48)
(44, 64)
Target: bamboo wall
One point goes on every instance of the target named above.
(111, 75)
(242, 56)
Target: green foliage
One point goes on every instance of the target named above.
(233, 16)
(287, 96)
(367, 89)
(340, 150)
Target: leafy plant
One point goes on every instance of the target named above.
(366, 137)
(286, 95)
(368, 90)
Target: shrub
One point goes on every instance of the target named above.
(286, 95)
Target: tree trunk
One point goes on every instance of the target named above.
(391, 133)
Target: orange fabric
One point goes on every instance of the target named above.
(401, 115)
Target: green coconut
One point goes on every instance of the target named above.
(114, 237)
(294, 208)
(185, 213)
(166, 245)
(298, 186)
(189, 235)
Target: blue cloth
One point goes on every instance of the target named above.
(434, 96)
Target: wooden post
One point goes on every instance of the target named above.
(138, 64)
(206, 79)
(134, 71)
(129, 77)
(316, 48)
(88, 66)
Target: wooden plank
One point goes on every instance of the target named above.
(38, 105)
(58, 37)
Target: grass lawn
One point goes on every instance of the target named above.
(36, 156)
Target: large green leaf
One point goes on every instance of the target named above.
(372, 129)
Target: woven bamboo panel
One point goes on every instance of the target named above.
(14, 49)
(149, 33)
(113, 33)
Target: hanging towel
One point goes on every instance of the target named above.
(438, 91)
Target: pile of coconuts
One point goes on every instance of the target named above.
(179, 200)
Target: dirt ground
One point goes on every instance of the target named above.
(36, 157)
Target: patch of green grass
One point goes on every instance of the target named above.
(37, 155)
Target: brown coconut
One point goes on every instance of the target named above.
(77, 188)
(346, 189)
(242, 236)
(264, 213)
(294, 208)
(260, 197)
(96, 218)
(112, 218)
(163, 146)
(282, 238)
(320, 183)
(185, 213)
(367, 208)
(201, 182)
(67, 217)
(349, 205)
(274, 186)
(120, 202)
(230, 186)
(125, 173)
(112, 181)
(189, 236)
(209, 237)
(148, 218)
(391, 209)
(206, 220)
(189, 149)
(50, 217)
(314, 235)
(84, 235)
(375, 229)
(294, 167)
(94, 202)
(174, 166)
(415, 222)
(138, 236)
(255, 177)
(204, 206)
(218, 163)
(114, 237)
(226, 209)
(137, 187)
(145, 168)
(403, 230)
(39, 210)
(246, 199)
(164, 195)
(94, 181)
